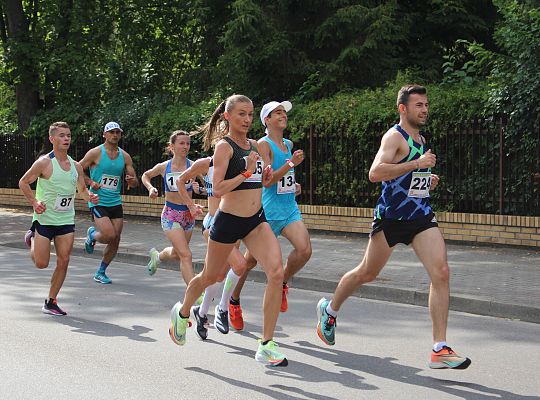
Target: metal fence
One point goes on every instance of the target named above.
(478, 173)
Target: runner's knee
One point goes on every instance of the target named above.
(41, 264)
(441, 275)
(184, 254)
(275, 273)
(240, 268)
(304, 252)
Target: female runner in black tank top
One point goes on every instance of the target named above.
(240, 216)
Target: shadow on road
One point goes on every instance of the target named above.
(105, 329)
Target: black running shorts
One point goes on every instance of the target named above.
(397, 231)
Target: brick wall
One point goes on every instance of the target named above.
(484, 228)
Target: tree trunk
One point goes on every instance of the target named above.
(20, 54)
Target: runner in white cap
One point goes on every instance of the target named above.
(279, 202)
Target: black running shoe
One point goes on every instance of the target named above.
(50, 307)
(202, 323)
(221, 320)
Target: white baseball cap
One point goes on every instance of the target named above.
(109, 126)
(269, 107)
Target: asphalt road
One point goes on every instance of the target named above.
(114, 344)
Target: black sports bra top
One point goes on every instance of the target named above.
(237, 164)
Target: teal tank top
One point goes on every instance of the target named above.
(58, 194)
(109, 174)
(278, 200)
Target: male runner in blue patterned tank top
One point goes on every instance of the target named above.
(107, 163)
(403, 215)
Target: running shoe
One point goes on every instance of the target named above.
(202, 323)
(51, 307)
(28, 238)
(221, 320)
(268, 354)
(177, 331)
(100, 277)
(235, 316)
(284, 305)
(89, 243)
(448, 358)
(152, 265)
(327, 324)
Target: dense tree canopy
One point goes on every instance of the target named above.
(92, 58)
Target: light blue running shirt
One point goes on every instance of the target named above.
(109, 174)
(278, 200)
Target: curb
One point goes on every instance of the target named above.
(372, 291)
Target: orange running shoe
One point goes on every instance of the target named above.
(448, 358)
(284, 304)
(235, 316)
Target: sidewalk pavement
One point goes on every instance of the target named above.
(495, 281)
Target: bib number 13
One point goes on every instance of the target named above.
(420, 184)
(287, 184)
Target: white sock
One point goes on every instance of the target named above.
(210, 293)
(438, 346)
(230, 283)
(330, 310)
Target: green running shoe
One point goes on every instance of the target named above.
(327, 324)
(179, 325)
(269, 354)
(152, 265)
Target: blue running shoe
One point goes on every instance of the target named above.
(179, 325)
(269, 354)
(89, 242)
(327, 324)
(102, 278)
(152, 265)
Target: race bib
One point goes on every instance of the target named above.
(287, 184)
(171, 181)
(257, 174)
(64, 203)
(420, 184)
(110, 182)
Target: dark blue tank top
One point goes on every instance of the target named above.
(396, 201)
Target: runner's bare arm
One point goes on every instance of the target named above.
(30, 176)
(199, 167)
(81, 186)
(385, 165)
(131, 175)
(156, 170)
(88, 161)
